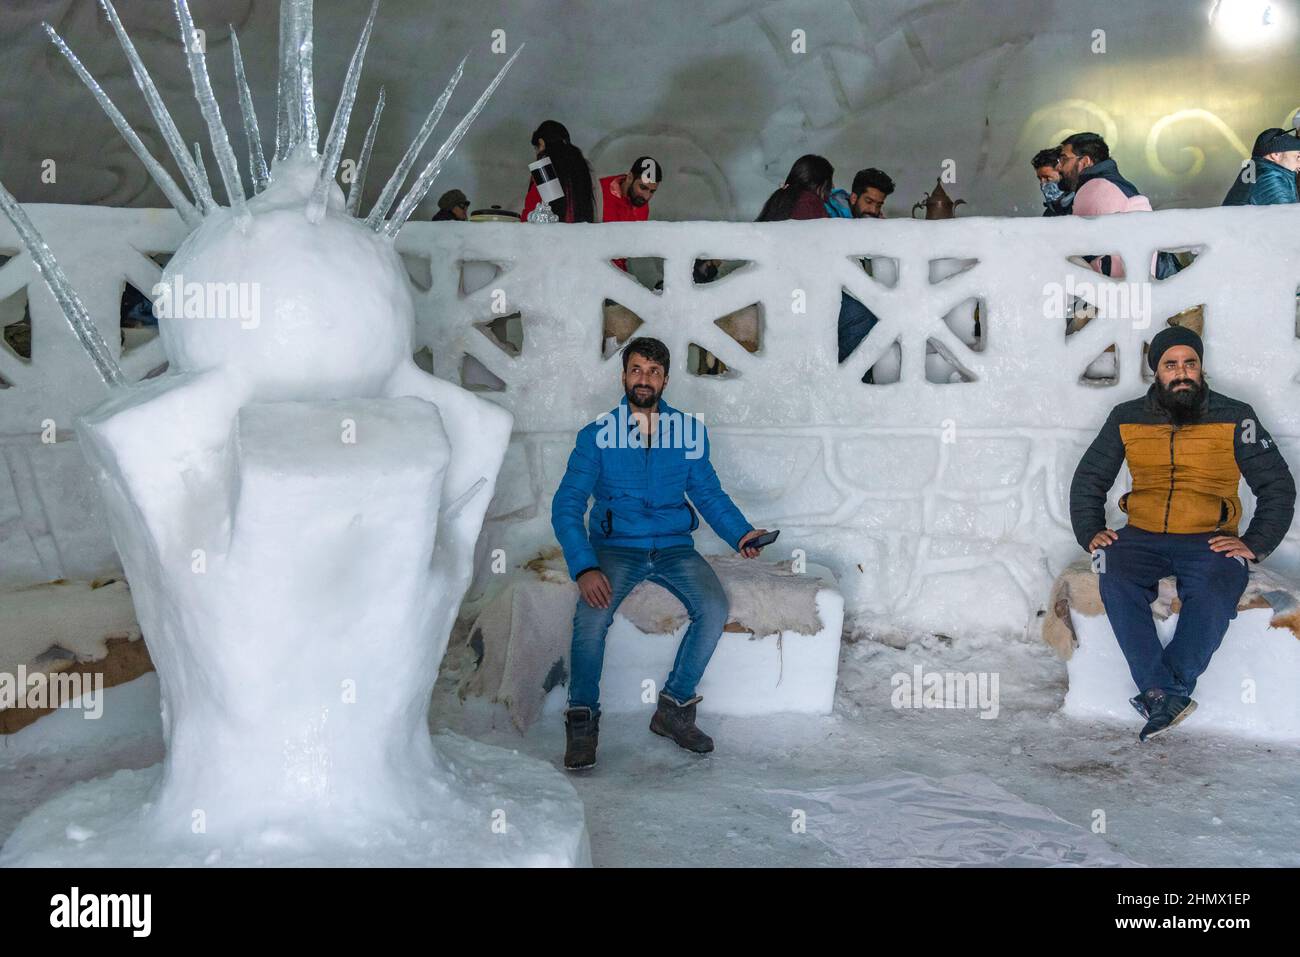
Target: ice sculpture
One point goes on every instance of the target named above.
(296, 506)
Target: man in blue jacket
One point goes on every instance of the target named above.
(639, 462)
(1268, 178)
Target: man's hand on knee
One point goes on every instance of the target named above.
(1232, 546)
(594, 587)
(1102, 539)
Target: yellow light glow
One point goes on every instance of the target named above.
(1245, 23)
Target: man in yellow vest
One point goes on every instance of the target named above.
(1187, 448)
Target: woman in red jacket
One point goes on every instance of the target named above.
(803, 194)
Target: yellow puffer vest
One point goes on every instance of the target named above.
(1185, 478)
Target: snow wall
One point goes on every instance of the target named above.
(940, 505)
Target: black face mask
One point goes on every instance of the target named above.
(1183, 405)
(705, 271)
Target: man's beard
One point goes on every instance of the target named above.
(642, 396)
(636, 200)
(1183, 405)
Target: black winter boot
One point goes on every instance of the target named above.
(581, 732)
(1166, 711)
(677, 721)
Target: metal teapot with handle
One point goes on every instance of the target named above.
(937, 203)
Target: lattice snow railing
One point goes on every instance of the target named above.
(1022, 371)
(907, 488)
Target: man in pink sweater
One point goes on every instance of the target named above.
(1099, 189)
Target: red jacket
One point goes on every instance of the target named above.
(808, 205)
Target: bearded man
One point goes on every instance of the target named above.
(1187, 448)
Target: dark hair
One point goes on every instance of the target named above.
(809, 172)
(571, 169)
(643, 164)
(1046, 158)
(647, 348)
(872, 178)
(1090, 145)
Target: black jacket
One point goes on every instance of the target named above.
(1185, 478)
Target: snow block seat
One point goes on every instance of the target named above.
(779, 651)
(60, 639)
(1250, 687)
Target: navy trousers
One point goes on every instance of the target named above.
(1209, 586)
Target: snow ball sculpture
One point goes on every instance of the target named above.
(296, 506)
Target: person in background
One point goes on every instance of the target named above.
(1268, 178)
(639, 462)
(577, 205)
(625, 197)
(1056, 202)
(452, 205)
(804, 193)
(1187, 448)
(1099, 190)
(871, 187)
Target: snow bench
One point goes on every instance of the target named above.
(56, 631)
(779, 651)
(1250, 688)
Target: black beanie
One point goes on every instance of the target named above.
(1172, 336)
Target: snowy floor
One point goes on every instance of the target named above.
(1189, 798)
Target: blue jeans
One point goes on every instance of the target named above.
(683, 572)
(1209, 586)
(856, 320)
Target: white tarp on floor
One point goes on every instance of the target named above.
(910, 820)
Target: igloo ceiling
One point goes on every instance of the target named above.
(718, 91)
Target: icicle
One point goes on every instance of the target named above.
(256, 159)
(339, 126)
(291, 120)
(451, 511)
(217, 136)
(69, 302)
(421, 187)
(363, 163)
(171, 190)
(198, 164)
(287, 118)
(305, 78)
(389, 193)
(166, 125)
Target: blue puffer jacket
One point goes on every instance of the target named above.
(640, 493)
(1270, 185)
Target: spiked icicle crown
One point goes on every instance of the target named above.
(333, 312)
